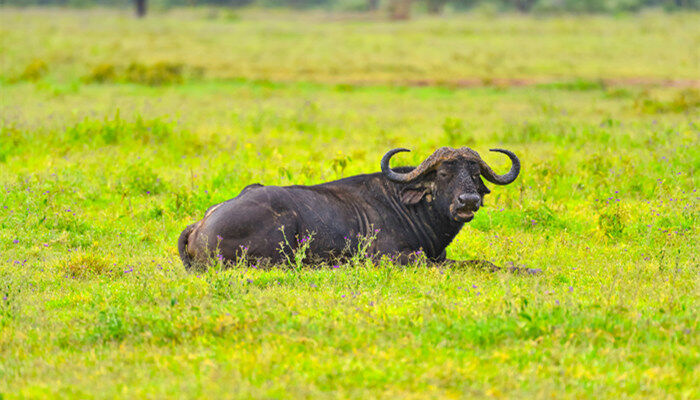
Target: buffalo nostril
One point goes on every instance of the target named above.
(471, 200)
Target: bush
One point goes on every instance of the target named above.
(102, 73)
(34, 71)
(160, 73)
(685, 100)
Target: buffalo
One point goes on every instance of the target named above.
(405, 211)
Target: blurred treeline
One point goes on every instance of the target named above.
(431, 6)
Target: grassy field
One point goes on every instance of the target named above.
(115, 134)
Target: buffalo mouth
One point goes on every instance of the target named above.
(464, 215)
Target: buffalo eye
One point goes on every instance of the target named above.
(443, 174)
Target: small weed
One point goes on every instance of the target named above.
(299, 253)
(9, 302)
(89, 264)
(225, 279)
(598, 165)
(612, 221)
(541, 217)
(111, 326)
(345, 87)
(618, 93)
(141, 179)
(339, 163)
(359, 248)
(11, 136)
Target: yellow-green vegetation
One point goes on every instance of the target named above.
(115, 134)
(329, 48)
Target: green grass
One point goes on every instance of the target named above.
(98, 178)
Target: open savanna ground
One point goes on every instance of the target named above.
(115, 134)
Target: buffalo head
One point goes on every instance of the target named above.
(450, 179)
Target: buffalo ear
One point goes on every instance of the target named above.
(413, 195)
(482, 188)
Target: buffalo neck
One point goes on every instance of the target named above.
(433, 230)
(425, 226)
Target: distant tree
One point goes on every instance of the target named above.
(436, 6)
(463, 5)
(140, 8)
(372, 5)
(689, 4)
(400, 9)
(522, 5)
(228, 3)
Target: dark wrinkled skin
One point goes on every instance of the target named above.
(405, 218)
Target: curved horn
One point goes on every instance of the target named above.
(386, 169)
(509, 177)
(439, 155)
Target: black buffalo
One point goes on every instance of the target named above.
(405, 210)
